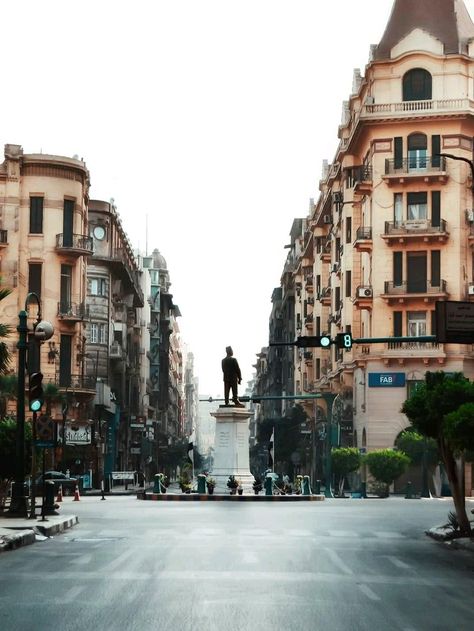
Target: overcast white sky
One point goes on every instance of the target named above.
(212, 117)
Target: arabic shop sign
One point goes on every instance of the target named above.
(78, 434)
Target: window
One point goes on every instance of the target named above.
(417, 85)
(155, 277)
(66, 287)
(398, 208)
(97, 333)
(97, 287)
(348, 229)
(34, 278)
(36, 215)
(417, 158)
(348, 284)
(417, 206)
(416, 323)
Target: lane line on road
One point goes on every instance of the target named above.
(365, 589)
(400, 564)
(70, 596)
(119, 560)
(336, 559)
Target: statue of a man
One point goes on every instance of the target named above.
(232, 376)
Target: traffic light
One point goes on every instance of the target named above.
(35, 394)
(344, 340)
(312, 341)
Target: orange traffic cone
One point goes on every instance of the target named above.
(77, 497)
(60, 494)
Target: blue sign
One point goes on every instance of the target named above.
(386, 379)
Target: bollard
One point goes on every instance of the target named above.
(202, 483)
(363, 489)
(157, 483)
(49, 507)
(306, 485)
(268, 485)
(318, 487)
(409, 492)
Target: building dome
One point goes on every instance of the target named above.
(159, 261)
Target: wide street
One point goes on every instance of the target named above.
(335, 565)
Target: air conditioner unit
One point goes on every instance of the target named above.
(327, 219)
(470, 290)
(337, 197)
(369, 100)
(470, 216)
(335, 267)
(365, 292)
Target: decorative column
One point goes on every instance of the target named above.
(231, 447)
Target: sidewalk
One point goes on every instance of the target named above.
(16, 532)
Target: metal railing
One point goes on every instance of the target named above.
(415, 287)
(364, 233)
(74, 242)
(415, 226)
(76, 382)
(415, 164)
(412, 346)
(72, 310)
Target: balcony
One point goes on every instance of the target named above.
(116, 351)
(309, 322)
(74, 244)
(415, 290)
(72, 311)
(84, 384)
(414, 230)
(363, 240)
(470, 235)
(415, 169)
(362, 179)
(325, 254)
(309, 280)
(3, 238)
(402, 352)
(325, 296)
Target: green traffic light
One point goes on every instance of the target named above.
(325, 341)
(35, 406)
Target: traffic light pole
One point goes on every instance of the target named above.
(18, 504)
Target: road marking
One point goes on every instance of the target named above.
(389, 535)
(260, 532)
(343, 533)
(298, 533)
(119, 560)
(82, 560)
(365, 589)
(400, 564)
(336, 559)
(69, 596)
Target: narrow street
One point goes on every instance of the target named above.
(332, 565)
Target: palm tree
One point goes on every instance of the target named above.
(51, 394)
(4, 332)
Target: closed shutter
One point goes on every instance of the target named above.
(435, 208)
(397, 268)
(435, 268)
(398, 154)
(397, 323)
(435, 149)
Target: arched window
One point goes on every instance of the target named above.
(417, 147)
(417, 85)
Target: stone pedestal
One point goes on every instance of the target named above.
(231, 448)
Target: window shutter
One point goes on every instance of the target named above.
(397, 268)
(435, 268)
(435, 208)
(348, 229)
(398, 153)
(433, 322)
(435, 149)
(397, 323)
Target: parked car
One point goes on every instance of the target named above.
(59, 479)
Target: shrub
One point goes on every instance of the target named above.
(386, 465)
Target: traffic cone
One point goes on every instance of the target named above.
(60, 494)
(77, 497)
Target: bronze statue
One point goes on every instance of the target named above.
(232, 376)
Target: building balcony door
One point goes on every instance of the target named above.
(68, 223)
(65, 360)
(416, 272)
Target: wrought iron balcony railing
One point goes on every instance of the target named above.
(415, 164)
(75, 242)
(415, 287)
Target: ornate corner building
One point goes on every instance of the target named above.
(392, 231)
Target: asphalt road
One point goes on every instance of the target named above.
(336, 565)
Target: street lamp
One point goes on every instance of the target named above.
(462, 159)
(42, 330)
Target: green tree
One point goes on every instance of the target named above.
(8, 447)
(386, 465)
(345, 460)
(4, 332)
(8, 391)
(412, 443)
(51, 394)
(440, 408)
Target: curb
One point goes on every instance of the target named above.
(49, 530)
(196, 497)
(16, 539)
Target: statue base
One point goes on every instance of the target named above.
(231, 448)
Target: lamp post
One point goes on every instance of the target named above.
(42, 331)
(462, 159)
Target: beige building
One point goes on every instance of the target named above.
(392, 230)
(44, 245)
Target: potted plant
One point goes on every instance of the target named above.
(257, 485)
(211, 483)
(232, 484)
(240, 489)
(185, 482)
(298, 484)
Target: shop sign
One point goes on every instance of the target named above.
(386, 379)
